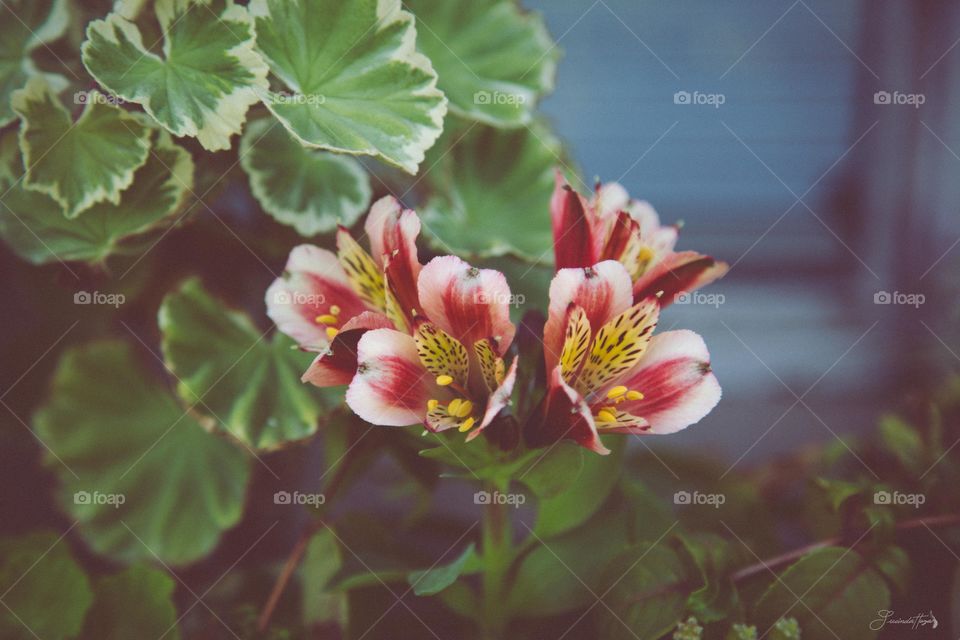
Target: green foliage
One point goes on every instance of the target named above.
(38, 576)
(321, 561)
(359, 86)
(229, 372)
(310, 190)
(434, 580)
(133, 603)
(113, 435)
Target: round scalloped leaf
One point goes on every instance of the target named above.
(81, 163)
(135, 603)
(39, 576)
(491, 194)
(308, 189)
(139, 474)
(359, 85)
(209, 74)
(33, 225)
(24, 26)
(493, 60)
(227, 371)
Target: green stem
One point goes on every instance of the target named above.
(497, 557)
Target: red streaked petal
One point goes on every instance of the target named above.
(391, 387)
(562, 415)
(338, 363)
(468, 303)
(624, 231)
(603, 291)
(497, 400)
(675, 377)
(393, 235)
(312, 282)
(573, 237)
(678, 273)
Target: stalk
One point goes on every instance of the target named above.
(497, 557)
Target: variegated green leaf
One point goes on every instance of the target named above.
(206, 80)
(359, 85)
(33, 225)
(24, 26)
(82, 163)
(308, 189)
(493, 60)
(491, 193)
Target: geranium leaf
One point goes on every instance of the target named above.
(33, 225)
(38, 576)
(81, 163)
(135, 603)
(24, 26)
(207, 78)
(308, 189)
(227, 371)
(841, 592)
(142, 477)
(491, 194)
(493, 60)
(359, 85)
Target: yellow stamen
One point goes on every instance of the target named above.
(606, 416)
(646, 254)
(634, 395)
(334, 310)
(464, 409)
(444, 380)
(616, 392)
(327, 319)
(432, 404)
(467, 425)
(454, 407)
(332, 333)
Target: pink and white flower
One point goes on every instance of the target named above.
(607, 371)
(612, 226)
(450, 373)
(327, 301)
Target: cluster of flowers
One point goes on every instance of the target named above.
(431, 344)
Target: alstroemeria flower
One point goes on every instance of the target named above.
(611, 226)
(326, 301)
(450, 373)
(607, 372)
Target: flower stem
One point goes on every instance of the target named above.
(497, 557)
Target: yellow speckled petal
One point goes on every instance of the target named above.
(491, 365)
(618, 346)
(576, 341)
(441, 354)
(365, 276)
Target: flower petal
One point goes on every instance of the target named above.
(337, 365)
(618, 346)
(562, 414)
(468, 303)
(313, 281)
(576, 343)
(675, 377)
(491, 365)
(603, 291)
(677, 273)
(497, 400)
(364, 273)
(393, 234)
(573, 237)
(391, 387)
(442, 354)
